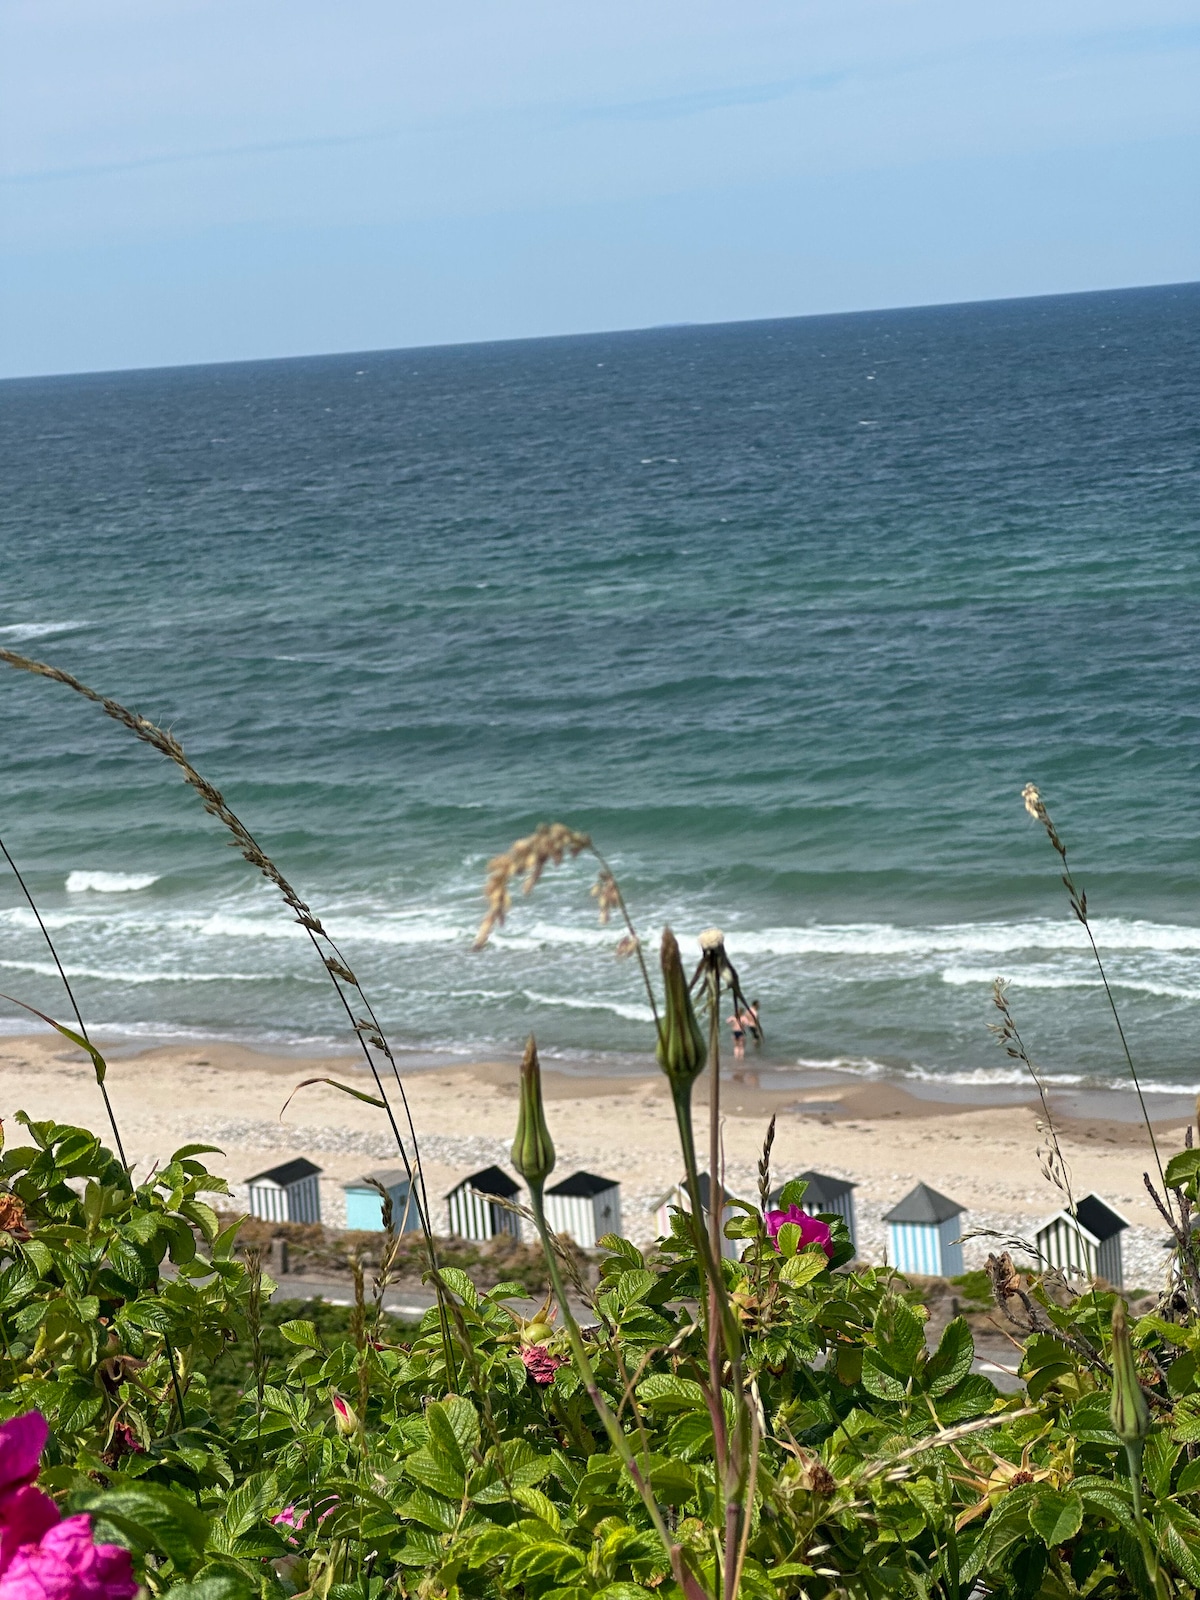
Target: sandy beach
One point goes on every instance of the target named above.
(879, 1134)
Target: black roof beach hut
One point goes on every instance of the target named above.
(1089, 1241)
(287, 1193)
(678, 1198)
(586, 1206)
(923, 1233)
(827, 1196)
(474, 1213)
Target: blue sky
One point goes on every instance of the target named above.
(205, 180)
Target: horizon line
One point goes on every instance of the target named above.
(589, 333)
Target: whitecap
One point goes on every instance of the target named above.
(39, 630)
(109, 882)
(632, 1013)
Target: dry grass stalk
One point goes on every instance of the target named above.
(552, 843)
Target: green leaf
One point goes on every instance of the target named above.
(539, 1504)
(1185, 1425)
(974, 1396)
(443, 1441)
(1182, 1169)
(464, 1419)
(1056, 1515)
(458, 1283)
(877, 1380)
(187, 1150)
(430, 1510)
(663, 1391)
(952, 1359)
(222, 1585)
(98, 1061)
(299, 1331)
(800, 1269)
(792, 1193)
(152, 1519)
(357, 1094)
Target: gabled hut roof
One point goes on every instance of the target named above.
(492, 1180)
(290, 1172)
(389, 1177)
(1095, 1217)
(822, 1189)
(924, 1205)
(586, 1185)
(682, 1188)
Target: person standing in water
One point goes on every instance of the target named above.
(749, 1021)
(738, 1026)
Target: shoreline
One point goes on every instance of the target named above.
(978, 1143)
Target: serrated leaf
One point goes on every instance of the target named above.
(800, 1269)
(1182, 1168)
(457, 1281)
(952, 1359)
(877, 1380)
(1056, 1516)
(153, 1519)
(300, 1331)
(539, 1504)
(664, 1392)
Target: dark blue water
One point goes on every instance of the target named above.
(784, 613)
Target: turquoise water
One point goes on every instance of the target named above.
(784, 613)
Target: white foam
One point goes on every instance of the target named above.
(1066, 980)
(39, 630)
(632, 1013)
(139, 975)
(109, 882)
(977, 938)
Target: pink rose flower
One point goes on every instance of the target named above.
(66, 1565)
(41, 1557)
(540, 1364)
(25, 1512)
(812, 1229)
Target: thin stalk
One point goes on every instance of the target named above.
(633, 934)
(112, 1119)
(1133, 1454)
(612, 1427)
(339, 972)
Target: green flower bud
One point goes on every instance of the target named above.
(681, 1048)
(1128, 1410)
(533, 1148)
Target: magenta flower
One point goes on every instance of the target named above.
(25, 1512)
(41, 1557)
(65, 1564)
(540, 1363)
(812, 1229)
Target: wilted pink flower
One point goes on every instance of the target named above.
(290, 1517)
(540, 1363)
(66, 1565)
(812, 1229)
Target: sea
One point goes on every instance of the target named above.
(784, 614)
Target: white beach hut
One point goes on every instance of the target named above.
(288, 1193)
(585, 1206)
(678, 1198)
(825, 1195)
(474, 1213)
(1090, 1240)
(922, 1234)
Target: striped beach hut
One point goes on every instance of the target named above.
(1089, 1241)
(585, 1206)
(364, 1203)
(678, 1198)
(825, 1196)
(288, 1193)
(474, 1213)
(922, 1234)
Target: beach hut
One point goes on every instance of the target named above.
(474, 1213)
(1090, 1241)
(364, 1203)
(289, 1193)
(823, 1196)
(678, 1198)
(922, 1234)
(585, 1206)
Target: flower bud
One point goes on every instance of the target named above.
(681, 1049)
(1128, 1410)
(533, 1148)
(345, 1418)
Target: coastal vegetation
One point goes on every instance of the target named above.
(686, 1424)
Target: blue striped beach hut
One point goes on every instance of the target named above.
(364, 1203)
(922, 1234)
